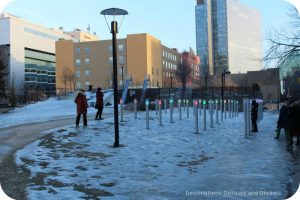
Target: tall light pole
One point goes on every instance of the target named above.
(223, 85)
(171, 73)
(122, 77)
(114, 30)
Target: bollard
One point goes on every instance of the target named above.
(147, 113)
(171, 111)
(245, 119)
(156, 106)
(165, 105)
(196, 116)
(187, 109)
(184, 104)
(217, 111)
(221, 108)
(121, 110)
(237, 114)
(179, 108)
(211, 110)
(135, 108)
(225, 116)
(229, 108)
(249, 115)
(204, 114)
(159, 110)
(200, 107)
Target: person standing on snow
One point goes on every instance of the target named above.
(283, 121)
(254, 113)
(99, 104)
(82, 106)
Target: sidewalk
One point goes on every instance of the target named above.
(166, 162)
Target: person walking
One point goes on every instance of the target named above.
(82, 106)
(99, 104)
(254, 113)
(283, 122)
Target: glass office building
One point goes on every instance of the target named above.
(235, 33)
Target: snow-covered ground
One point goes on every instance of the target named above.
(51, 109)
(163, 162)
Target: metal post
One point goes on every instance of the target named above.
(135, 108)
(156, 106)
(160, 116)
(222, 114)
(217, 110)
(184, 104)
(200, 106)
(211, 113)
(229, 108)
(245, 118)
(196, 116)
(114, 31)
(204, 114)
(165, 105)
(225, 101)
(187, 109)
(171, 111)
(121, 110)
(179, 108)
(147, 113)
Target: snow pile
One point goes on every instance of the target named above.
(163, 162)
(51, 109)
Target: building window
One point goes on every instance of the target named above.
(87, 72)
(87, 61)
(78, 85)
(121, 47)
(77, 50)
(78, 62)
(121, 59)
(110, 59)
(87, 83)
(157, 72)
(110, 48)
(87, 50)
(120, 83)
(77, 74)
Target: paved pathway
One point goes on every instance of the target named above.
(16, 137)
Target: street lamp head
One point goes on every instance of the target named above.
(114, 12)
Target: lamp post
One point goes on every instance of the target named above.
(122, 77)
(223, 85)
(114, 30)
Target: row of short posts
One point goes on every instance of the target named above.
(213, 106)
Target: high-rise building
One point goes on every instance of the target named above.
(228, 36)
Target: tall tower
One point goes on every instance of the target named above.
(228, 36)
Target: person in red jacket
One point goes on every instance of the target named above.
(99, 104)
(82, 106)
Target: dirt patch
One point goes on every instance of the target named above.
(91, 192)
(199, 161)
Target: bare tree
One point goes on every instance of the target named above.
(183, 71)
(284, 44)
(67, 78)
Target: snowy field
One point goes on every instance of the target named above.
(51, 109)
(163, 162)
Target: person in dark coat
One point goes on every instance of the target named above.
(82, 106)
(254, 113)
(283, 121)
(99, 104)
(294, 120)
